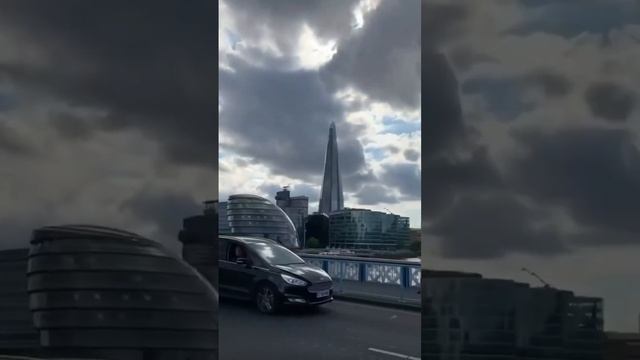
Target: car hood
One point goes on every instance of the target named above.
(308, 272)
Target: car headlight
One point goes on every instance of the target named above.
(293, 281)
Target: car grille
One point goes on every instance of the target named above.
(320, 286)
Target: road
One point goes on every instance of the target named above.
(338, 330)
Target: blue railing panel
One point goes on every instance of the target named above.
(388, 272)
(384, 274)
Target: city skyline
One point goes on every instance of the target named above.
(280, 89)
(533, 159)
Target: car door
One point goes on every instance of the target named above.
(225, 268)
(242, 276)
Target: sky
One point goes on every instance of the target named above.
(107, 115)
(532, 157)
(300, 65)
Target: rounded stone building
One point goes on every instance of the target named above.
(105, 293)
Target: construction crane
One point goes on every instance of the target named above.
(546, 285)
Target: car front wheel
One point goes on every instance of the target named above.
(267, 299)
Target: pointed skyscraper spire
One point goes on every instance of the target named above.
(331, 194)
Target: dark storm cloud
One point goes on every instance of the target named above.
(440, 22)
(241, 162)
(148, 65)
(310, 191)
(13, 142)
(552, 83)
(443, 126)
(163, 209)
(464, 57)
(393, 149)
(444, 136)
(454, 164)
(411, 154)
(7, 101)
(284, 19)
(610, 101)
(405, 177)
(490, 225)
(71, 126)
(382, 58)
(505, 95)
(271, 115)
(592, 172)
(564, 19)
(373, 194)
(444, 177)
(355, 181)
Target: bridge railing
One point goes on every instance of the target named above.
(381, 280)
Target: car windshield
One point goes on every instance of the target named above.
(276, 254)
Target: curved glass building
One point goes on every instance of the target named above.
(18, 336)
(111, 294)
(252, 215)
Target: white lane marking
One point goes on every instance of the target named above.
(401, 356)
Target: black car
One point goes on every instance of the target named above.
(269, 274)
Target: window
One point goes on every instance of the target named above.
(237, 251)
(276, 254)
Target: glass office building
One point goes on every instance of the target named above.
(469, 317)
(367, 229)
(92, 292)
(252, 215)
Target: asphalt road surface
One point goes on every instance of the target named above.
(338, 330)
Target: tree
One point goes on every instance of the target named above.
(313, 243)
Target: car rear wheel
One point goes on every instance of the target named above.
(267, 299)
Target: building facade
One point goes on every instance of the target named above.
(466, 316)
(84, 291)
(317, 227)
(366, 229)
(252, 215)
(199, 237)
(297, 208)
(223, 221)
(331, 196)
(18, 336)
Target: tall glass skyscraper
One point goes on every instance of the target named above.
(331, 198)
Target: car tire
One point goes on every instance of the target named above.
(266, 298)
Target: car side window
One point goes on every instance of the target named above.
(236, 251)
(255, 259)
